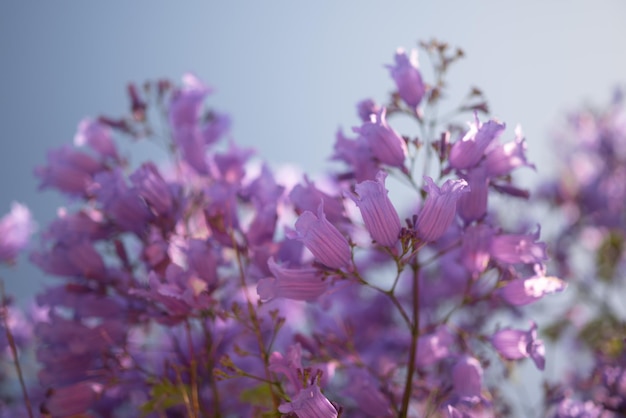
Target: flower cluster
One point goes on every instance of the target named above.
(589, 198)
(211, 286)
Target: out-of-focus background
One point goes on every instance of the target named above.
(289, 73)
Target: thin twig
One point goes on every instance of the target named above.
(5, 319)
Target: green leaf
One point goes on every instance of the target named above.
(260, 395)
(609, 255)
(164, 395)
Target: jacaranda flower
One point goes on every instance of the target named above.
(524, 291)
(518, 248)
(408, 79)
(379, 215)
(514, 344)
(322, 238)
(467, 378)
(439, 208)
(302, 283)
(310, 403)
(15, 230)
(386, 145)
(467, 152)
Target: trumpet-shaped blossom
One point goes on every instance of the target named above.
(473, 205)
(303, 283)
(380, 217)
(152, 187)
(386, 145)
(310, 403)
(308, 197)
(358, 155)
(468, 152)
(407, 76)
(524, 291)
(288, 365)
(467, 378)
(76, 259)
(513, 344)
(476, 248)
(16, 227)
(98, 136)
(504, 158)
(186, 104)
(123, 204)
(366, 108)
(518, 248)
(72, 400)
(439, 208)
(69, 171)
(322, 238)
(433, 347)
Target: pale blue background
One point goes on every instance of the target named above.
(289, 72)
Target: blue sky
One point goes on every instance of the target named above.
(288, 72)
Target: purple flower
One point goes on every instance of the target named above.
(302, 283)
(288, 365)
(263, 226)
(380, 217)
(571, 408)
(309, 197)
(214, 128)
(177, 295)
(433, 347)
(476, 248)
(16, 227)
(524, 291)
(231, 164)
(503, 159)
(408, 79)
(310, 403)
(455, 413)
(72, 400)
(467, 378)
(121, 203)
(386, 145)
(358, 155)
(76, 259)
(184, 115)
(264, 190)
(202, 260)
(98, 136)
(439, 208)
(321, 238)
(365, 391)
(467, 152)
(513, 344)
(472, 206)
(518, 248)
(186, 104)
(366, 108)
(153, 188)
(69, 171)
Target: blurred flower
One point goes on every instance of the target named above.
(16, 227)
(408, 79)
